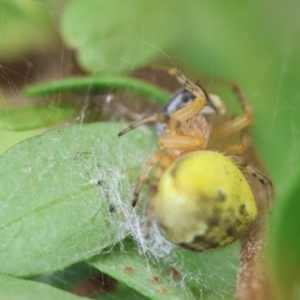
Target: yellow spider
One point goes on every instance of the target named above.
(198, 196)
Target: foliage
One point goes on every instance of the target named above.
(51, 206)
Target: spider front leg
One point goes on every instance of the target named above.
(158, 117)
(194, 107)
(238, 123)
(175, 120)
(182, 114)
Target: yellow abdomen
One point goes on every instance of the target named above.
(204, 201)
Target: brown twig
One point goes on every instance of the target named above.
(253, 280)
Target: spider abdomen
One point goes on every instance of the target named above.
(204, 202)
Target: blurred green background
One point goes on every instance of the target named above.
(255, 43)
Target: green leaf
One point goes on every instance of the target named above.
(208, 274)
(82, 275)
(25, 27)
(126, 265)
(10, 138)
(113, 37)
(122, 291)
(19, 289)
(56, 192)
(32, 117)
(99, 84)
(286, 245)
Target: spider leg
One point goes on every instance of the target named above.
(161, 167)
(238, 123)
(194, 107)
(152, 118)
(175, 120)
(263, 179)
(162, 161)
(257, 174)
(181, 141)
(188, 84)
(158, 117)
(144, 173)
(235, 148)
(190, 110)
(182, 114)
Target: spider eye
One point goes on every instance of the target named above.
(187, 97)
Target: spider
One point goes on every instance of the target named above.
(198, 195)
